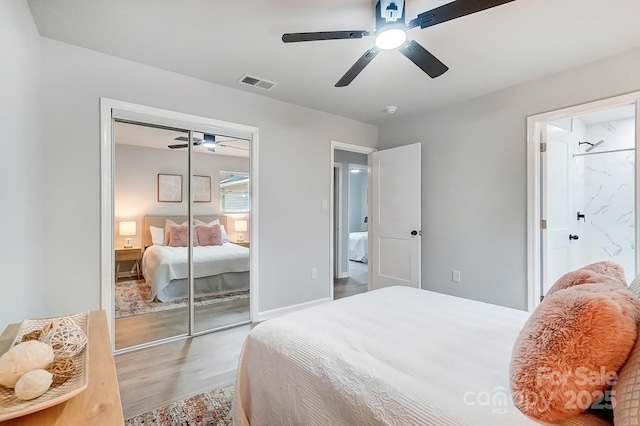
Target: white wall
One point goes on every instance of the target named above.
(22, 282)
(474, 177)
(294, 171)
(136, 184)
(357, 201)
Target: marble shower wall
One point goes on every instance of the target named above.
(608, 195)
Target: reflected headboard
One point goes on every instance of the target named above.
(158, 221)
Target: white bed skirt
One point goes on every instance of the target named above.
(206, 286)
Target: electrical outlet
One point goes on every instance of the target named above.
(314, 273)
(456, 276)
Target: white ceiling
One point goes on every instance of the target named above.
(219, 41)
(614, 114)
(154, 137)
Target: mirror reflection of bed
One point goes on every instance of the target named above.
(221, 284)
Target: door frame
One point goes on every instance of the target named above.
(535, 126)
(337, 212)
(362, 150)
(107, 256)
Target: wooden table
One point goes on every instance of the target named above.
(99, 403)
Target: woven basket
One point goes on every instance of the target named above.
(11, 407)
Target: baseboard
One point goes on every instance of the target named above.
(263, 316)
(343, 275)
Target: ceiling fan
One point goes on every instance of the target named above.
(391, 33)
(208, 141)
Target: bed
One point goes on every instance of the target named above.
(217, 269)
(359, 246)
(395, 356)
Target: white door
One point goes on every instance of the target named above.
(395, 217)
(557, 205)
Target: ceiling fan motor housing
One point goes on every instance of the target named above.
(388, 11)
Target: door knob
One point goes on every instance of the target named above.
(414, 233)
(573, 237)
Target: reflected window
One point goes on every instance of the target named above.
(234, 192)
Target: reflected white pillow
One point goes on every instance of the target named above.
(157, 235)
(225, 237)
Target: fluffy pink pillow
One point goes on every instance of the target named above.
(608, 268)
(179, 236)
(209, 235)
(570, 347)
(591, 274)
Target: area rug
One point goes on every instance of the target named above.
(212, 408)
(131, 299)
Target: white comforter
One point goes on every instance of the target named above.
(161, 264)
(396, 356)
(359, 246)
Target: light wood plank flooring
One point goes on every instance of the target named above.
(151, 378)
(138, 329)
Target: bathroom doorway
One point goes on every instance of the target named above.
(586, 198)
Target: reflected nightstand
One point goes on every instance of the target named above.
(125, 254)
(242, 243)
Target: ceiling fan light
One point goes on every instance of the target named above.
(209, 141)
(391, 38)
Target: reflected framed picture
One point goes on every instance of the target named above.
(169, 188)
(201, 189)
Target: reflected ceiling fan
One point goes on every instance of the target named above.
(391, 33)
(207, 141)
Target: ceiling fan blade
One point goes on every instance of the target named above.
(182, 145)
(453, 10)
(424, 59)
(185, 139)
(234, 147)
(324, 35)
(357, 67)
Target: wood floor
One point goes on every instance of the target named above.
(153, 377)
(139, 329)
(355, 283)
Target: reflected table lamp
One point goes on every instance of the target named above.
(127, 230)
(240, 227)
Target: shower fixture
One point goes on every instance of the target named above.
(593, 145)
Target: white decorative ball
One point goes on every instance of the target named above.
(22, 358)
(33, 384)
(66, 340)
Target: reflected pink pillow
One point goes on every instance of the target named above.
(209, 235)
(179, 236)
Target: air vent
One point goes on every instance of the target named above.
(257, 82)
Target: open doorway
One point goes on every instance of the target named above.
(350, 236)
(585, 190)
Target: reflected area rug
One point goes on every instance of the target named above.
(131, 299)
(212, 408)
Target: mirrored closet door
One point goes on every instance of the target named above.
(175, 278)
(221, 210)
